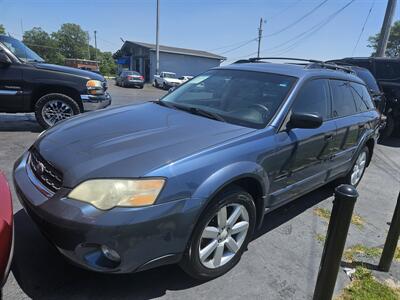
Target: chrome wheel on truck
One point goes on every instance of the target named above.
(53, 108)
(55, 111)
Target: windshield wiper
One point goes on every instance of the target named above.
(192, 110)
(207, 114)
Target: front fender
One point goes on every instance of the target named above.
(229, 174)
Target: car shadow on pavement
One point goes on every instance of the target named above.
(391, 142)
(19, 122)
(294, 208)
(43, 273)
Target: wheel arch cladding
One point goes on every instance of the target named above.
(248, 175)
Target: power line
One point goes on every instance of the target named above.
(363, 27)
(243, 43)
(238, 47)
(296, 40)
(232, 45)
(298, 20)
(288, 7)
(316, 27)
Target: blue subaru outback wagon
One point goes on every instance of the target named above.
(189, 178)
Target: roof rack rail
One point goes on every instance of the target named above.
(255, 59)
(312, 63)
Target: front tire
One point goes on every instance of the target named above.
(53, 108)
(221, 235)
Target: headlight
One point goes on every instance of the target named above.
(109, 193)
(95, 87)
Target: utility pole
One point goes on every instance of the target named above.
(88, 44)
(260, 30)
(95, 45)
(157, 41)
(385, 31)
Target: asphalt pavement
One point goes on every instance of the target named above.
(281, 262)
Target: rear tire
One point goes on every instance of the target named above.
(216, 246)
(53, 108)
(354, 176)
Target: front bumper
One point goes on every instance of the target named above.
(95, 102)
(143, 237)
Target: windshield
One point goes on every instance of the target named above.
(20, 50)
(169, 75)
(240, 97)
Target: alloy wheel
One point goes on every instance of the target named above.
(55, 111)
(358, 168)
(223, 235)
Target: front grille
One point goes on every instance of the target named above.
(49, 176)
(105, 85)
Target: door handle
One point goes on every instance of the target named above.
(328, 137)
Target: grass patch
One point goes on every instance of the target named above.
(325, 214)
(360, 249)
(320, 238)
(366, 287)
(397, 254)
(358, 221)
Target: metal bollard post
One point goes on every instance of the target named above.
(339, 223)
(391, 240)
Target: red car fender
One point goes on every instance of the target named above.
(6, 227)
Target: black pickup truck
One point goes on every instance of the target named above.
(387, 73)
(52, 92)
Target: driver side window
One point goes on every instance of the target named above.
(313, 98)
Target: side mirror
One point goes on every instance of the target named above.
(4, 59)
(304, 120)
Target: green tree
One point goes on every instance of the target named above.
(43, 44)
(393, 46)
(2, 29)
(72, 41)
(107, 64)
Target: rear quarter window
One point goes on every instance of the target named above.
(343, 103)
(361, 97)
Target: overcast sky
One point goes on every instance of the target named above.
(297, 28)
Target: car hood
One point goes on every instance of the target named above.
(69, 70)
(129, 141)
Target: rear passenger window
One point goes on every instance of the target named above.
(342, 99)
(361, 97)
(313, 98)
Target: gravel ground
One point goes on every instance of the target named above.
(281, 262)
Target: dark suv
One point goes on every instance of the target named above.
(53, 92)
(387, 73)
(188, 178)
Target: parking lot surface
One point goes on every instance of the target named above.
(281, 262)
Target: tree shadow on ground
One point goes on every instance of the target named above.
(43, 273)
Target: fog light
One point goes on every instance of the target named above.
(111, 254)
